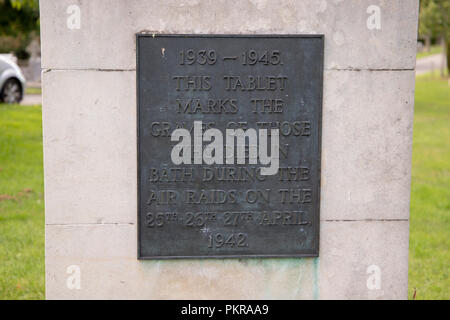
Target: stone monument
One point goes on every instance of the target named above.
(204, 149)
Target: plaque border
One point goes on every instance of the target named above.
(313, 253)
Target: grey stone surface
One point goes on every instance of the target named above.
(105, 255)
(90, 157)
(349, 249)
(106, 37)
(366, 144)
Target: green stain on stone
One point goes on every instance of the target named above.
(316, 279)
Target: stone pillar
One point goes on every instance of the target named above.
(89, 118)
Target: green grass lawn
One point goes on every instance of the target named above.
(433, 50)
(429, 256)
(21, 203)
(33, 90)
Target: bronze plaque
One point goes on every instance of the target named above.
(229, 130)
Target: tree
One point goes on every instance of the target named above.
(434, 22)
(426, 21)
(19, 23)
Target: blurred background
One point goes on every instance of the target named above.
(21, 165)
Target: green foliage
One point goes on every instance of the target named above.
(19, 22)
(429, 256)
(22, 4)
(18, 17)
(434, 18)
(434, 21)
(21, 203)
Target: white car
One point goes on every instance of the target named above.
(12, 82)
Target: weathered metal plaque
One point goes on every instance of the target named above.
(229, 131)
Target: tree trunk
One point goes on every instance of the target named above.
(447, 53)
(427, 43)
(444, 56)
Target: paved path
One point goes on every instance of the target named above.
(31, 99)
(430, 63)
